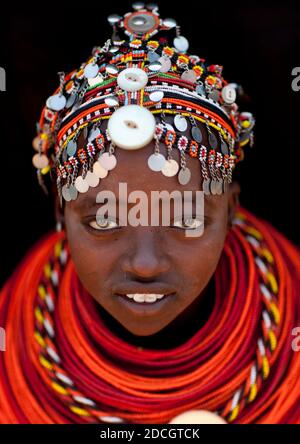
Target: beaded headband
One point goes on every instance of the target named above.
(133, 83)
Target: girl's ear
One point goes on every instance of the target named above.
(233, 201)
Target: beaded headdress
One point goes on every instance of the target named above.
(134, 81)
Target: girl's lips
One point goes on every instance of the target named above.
(144, 308)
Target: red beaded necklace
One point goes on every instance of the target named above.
(63, 365)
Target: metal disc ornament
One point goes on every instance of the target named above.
(213, 186)
(205, 186)
(169, 23)
(154, 66)
(152, 6)
(36, 143)
(64, 155)
(92, 179)
(93, 134)
(219, 187)
(225, 185)
(224, 147)
(95, 80)
(180, 122)
(108, 161)
(91, 70)
(189, 76)
(169, 127)
(156, 96)
(170, 168)
(81, 184)
(113, 49)
(73, 192)
(200, 90)
(112, 69)
(156, 162)
(85, 132)
(213, 141)
(214, 95)
(56, 102)
(181, 44)
(153, 56)
(111, 101)
(71, 100)
(165, 64)
(40, 161)
(184, 176)
(196, 133)
(138, 5)
(99, 171)
(113, 19)
(65, 193)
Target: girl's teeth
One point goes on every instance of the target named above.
(139, 297)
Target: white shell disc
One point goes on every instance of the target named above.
(131, 127)
(132, 79)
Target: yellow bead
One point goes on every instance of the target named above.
(45, 170)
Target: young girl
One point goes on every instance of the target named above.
(136, 309)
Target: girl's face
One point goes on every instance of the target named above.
(118, 260)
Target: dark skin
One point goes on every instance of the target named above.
(146, 259)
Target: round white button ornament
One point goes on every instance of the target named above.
(229, 94)
(131, 127)
(132, 79)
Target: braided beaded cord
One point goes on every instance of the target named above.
(66, 375)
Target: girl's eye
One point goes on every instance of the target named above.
(103, 224)
(189, 223)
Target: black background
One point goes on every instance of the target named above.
(257, 43)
